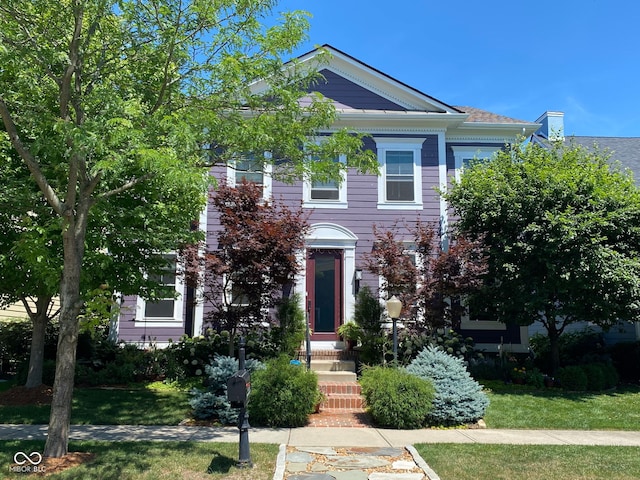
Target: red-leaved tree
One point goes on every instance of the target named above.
(428, 280)
(256, 258)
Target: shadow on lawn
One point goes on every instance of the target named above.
(498, 387)
(221, 463)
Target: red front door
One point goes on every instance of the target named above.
(324, 292)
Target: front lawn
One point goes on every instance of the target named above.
(533, 462)
(519, 406)
(151, 404)
(152, 460)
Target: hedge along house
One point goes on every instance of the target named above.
(421, 143)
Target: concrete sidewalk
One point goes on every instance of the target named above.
(335, 437)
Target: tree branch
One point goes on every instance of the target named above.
(126, 186)
(29, 160)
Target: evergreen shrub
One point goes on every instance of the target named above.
(459, 399)
(290, 330)
(572, 377)
(212, 403)
(395, 398)
(283, 395)
(366, 315)
(595, 376)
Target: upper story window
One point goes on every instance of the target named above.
(464, 155)
(400, 182)
(329, 194)
(252, 169)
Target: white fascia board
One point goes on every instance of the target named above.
(371, 119)
(505, 129)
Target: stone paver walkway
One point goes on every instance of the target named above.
(352, 463)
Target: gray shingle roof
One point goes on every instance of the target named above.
(625, 150)
(482, 116)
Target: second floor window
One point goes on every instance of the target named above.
(400, 182)
(399, 176)
(328, 194)
(249, 169)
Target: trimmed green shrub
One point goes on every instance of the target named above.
(595, 376)
(283, 395)
(572, 378)
(459, 399)
(395, 398)
(611, 377)
(212, 403)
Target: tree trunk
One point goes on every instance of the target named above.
(57, 444)
(36, 358)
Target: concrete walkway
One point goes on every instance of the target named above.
(334, 437)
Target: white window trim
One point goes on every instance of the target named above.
(267, 176)
(406, 144)
(464, 152)
(178, 308)
(341, 202)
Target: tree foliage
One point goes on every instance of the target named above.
(256, 257)
(428, 280)
(109, 105)
(562, 230)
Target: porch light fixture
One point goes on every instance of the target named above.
(358, 274)
(394, 307)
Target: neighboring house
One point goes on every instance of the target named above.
(625, 151)
(421, 143)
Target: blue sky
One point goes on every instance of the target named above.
(519, 59)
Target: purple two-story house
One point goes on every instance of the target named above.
(421, 143)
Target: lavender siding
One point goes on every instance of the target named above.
(349, 94)
(144, 335)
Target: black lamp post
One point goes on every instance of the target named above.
(394, 307)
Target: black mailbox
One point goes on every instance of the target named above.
(238, 388)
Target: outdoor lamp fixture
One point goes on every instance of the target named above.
(358, 278)
(394, 307)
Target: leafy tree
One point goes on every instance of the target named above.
(430, 284)
(256, 257)
(108, 100)
(562, 229)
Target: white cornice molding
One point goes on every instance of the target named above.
(481, 139)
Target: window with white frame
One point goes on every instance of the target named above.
(329, 194)
(252, 169)
(465, 154)
(168, 310)
(400, 182)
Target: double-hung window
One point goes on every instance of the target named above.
(250, 168)
(327, 194)
(464, 155)
(168, 310)
(400, 182)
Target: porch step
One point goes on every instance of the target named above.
(342, 396)
(335, 354)
(333, 365)
(336, 376)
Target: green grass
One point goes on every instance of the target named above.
(519, 406)
(531, 462)
(153, 404)
(153, 460)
